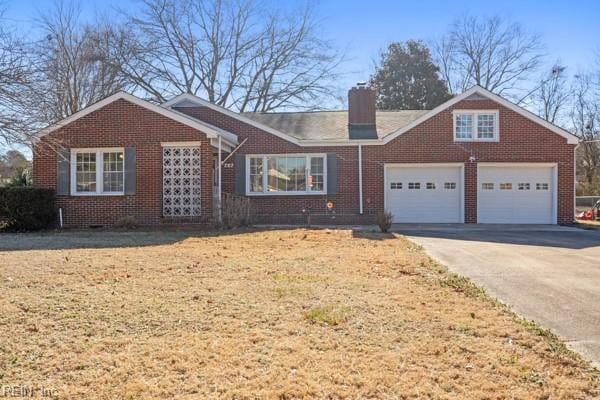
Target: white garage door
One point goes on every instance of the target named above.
(426, 194)
(515, 194)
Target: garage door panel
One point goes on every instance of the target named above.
(424, 194)
(515, 194)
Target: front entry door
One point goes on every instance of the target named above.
(181, 181)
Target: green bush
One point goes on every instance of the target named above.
(26, 208)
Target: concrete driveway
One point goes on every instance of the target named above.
(550, 274)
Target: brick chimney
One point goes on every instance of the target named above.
(361, 105)
(361, 112)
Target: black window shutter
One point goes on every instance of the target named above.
(240, 174)
(130, 167)
(331, 173)
(63, 177)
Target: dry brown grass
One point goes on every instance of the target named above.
(273, 314)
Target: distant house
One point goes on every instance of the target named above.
(475, 159)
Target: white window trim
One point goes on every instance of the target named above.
(181, 144)
(99, 171)
(265, 176)
(475, 114)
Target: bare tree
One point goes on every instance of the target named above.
(15, 72)
(72, 64)
(585, 118)
(235, 53)
(45, 80)
(494, 53)
(551, 96)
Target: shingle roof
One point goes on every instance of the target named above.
(330, 125)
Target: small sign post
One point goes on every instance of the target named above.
(330, 209)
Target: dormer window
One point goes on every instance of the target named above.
(476, 125)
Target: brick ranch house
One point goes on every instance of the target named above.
(477, 158)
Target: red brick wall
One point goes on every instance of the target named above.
(122, 124)
(361, 105)
(288, 209)
(521, 140)
(470, 183)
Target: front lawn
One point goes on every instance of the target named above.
(266, 314)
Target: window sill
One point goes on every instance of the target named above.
(495, 140)
(90, 194)
(285, 194)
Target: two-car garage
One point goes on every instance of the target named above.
(506, 193)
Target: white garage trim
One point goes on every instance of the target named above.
(461, 182)
(554, 186)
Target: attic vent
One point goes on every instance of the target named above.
(476, 96)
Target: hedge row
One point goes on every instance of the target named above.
(26, 208)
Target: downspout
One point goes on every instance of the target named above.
(219, 216)
(360, 180)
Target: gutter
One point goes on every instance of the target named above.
(338, 143)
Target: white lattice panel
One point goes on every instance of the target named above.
(181, 181)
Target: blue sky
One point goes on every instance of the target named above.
(569, 29)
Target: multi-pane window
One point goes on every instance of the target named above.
(541, 186)
(256, 174)
(506, 186)
(486, 126)
(396, 185)
(113, 171)
(450, 185)
(95, 172)
(414, 185)
(286, 174)
(430, 185)
(487, 186)
(476, 125)
(316, 179)
(464, 126)
(523, 186)
(85, 176)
